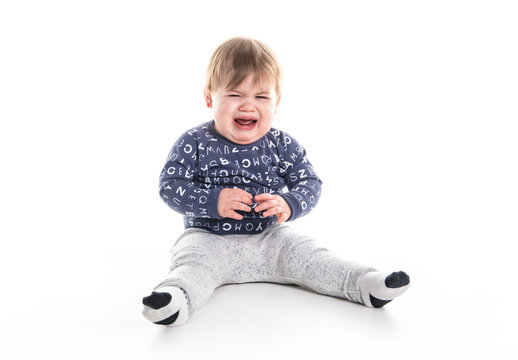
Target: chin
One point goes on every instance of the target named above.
(245, 141)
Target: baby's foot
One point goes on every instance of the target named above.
(167, 305)
(378, 289)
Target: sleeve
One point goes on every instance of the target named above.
(177, 185)
(304, 186)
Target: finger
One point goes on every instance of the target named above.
(266, 205)
(273, 211)
(233, 215)
(239, 197)
(236, 216)
(245, 200)
(240, 206)
(242, 193)
(263, 197)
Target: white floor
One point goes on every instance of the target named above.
(84, 302)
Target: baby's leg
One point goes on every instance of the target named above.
(300, 261)
(197, 269)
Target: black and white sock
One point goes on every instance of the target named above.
(166, 305)
(378, 289)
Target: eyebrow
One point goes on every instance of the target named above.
(262, 92)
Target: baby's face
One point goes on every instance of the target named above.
(245, 113)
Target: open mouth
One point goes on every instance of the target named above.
(245, 124)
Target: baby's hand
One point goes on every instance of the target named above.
(274, 205)
(231, 199)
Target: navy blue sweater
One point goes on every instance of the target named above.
(202, 162)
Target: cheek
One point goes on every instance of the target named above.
(221, 110)
(227, 108)
(269, 109)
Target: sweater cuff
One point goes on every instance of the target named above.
(294, 205)
(212, 203)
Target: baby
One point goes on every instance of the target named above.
(237, 180)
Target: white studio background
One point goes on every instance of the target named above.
(408, 110)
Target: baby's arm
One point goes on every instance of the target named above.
(177, 187)
(302, 182)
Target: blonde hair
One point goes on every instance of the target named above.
(237, 58)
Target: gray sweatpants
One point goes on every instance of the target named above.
(202, 261)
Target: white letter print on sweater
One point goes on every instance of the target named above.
(202, 162)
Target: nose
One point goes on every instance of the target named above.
(247, 104)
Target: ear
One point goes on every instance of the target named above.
(277, 103)
(208, 98)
